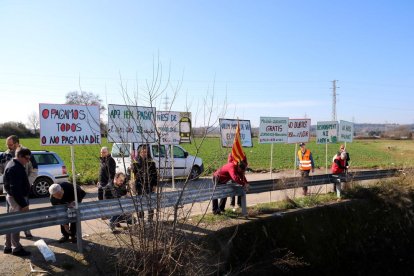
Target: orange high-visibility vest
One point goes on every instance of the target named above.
(304, 160)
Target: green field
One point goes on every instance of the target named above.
(364, 154)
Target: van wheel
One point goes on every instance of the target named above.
(195, 173)
(40, 187)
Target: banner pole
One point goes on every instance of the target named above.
(271, 168)
(295, 159)
(172, 166)
(78, 220)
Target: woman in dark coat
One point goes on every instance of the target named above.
(146, 178)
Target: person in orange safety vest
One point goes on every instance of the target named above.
(306, 164)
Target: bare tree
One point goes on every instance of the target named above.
(84, 98)
(33, 121)
(161, 246)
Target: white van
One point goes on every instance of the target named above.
(184, 164)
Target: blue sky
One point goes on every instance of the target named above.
(263, 58)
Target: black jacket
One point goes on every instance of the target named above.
(16, 182)
(107, 170)
(146, 175)
(68, 194)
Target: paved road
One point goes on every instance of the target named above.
(95, 226)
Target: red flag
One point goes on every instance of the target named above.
(237, 150)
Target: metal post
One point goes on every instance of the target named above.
(244, 204)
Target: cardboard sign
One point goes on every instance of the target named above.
(299, 131)
(128, 124)
(346, 131)
(326, 132)
(228, 131)
(62, 124)
(273, 130)
(172, 127)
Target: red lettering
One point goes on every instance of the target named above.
(45, 114)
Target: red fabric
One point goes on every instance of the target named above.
(237, 150)
(336, 169)
(230, 172)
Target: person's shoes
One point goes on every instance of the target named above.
(73, 239)
(118, 225)
(217, 212)
(21, 253)
(63, 239)
(7, 250)
(115, 231)
(29, 235)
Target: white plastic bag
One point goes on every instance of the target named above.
(45, 250)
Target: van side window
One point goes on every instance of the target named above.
(158, 151)
(178, 152)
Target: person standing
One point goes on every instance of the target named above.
(338, 168)
(13, 144)
(17, 186)
(306, 164)
(146, 178)
(63, 193)
(106, 172)
(233, 171)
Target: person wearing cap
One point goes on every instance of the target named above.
(63, 194)
(306, 164)
(233, 171)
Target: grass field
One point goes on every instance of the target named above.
(363, 153)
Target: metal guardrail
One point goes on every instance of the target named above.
(57, 215)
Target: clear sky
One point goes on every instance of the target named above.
(263, 58)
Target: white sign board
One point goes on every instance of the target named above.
(326, 132)
(346, 131)
(169, 127)
(63, 124)
(228, 131)
(131, 124)
(273, 130)
(299, 131)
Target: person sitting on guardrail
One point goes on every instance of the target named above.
(338, 169)
(63, 194)
(118, 189)
(233, 171)
(306, 164)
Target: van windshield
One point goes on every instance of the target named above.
(120, 150)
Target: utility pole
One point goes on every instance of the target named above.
(166, 103)
(334, 87)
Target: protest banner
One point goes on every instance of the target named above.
(131, 124)
(62, 124)
(228, 131)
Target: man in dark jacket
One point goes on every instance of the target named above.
(146, 178)
(17, 186)
(63, 194)
(118, 189)
(106, 172)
